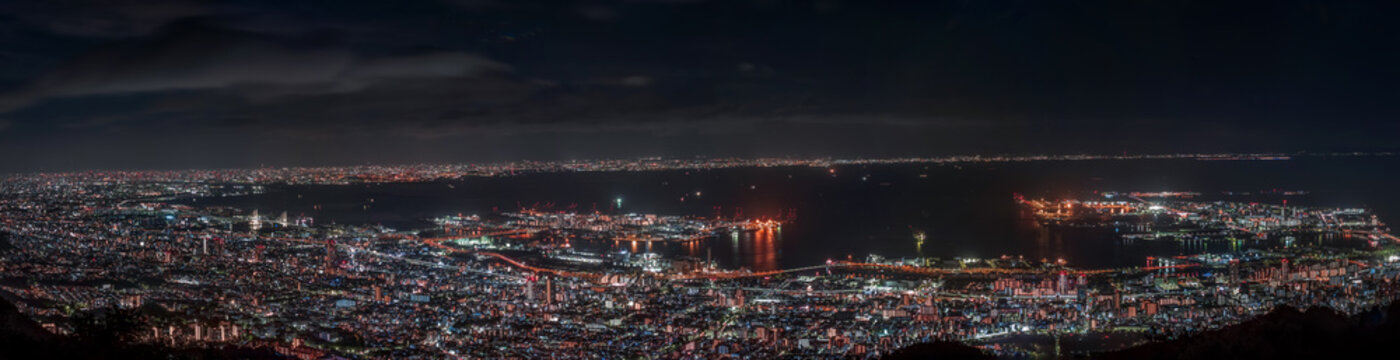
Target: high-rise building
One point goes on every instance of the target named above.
(1235, 272)
(330, 256)
(1117, 299)
(548, 290)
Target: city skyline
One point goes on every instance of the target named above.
(449, 170)
(698, 179)
(688, 259)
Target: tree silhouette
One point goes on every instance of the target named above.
(107, 326)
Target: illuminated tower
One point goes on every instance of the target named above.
(1060, 285)
(254, 222)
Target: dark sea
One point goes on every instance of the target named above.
(967, 210)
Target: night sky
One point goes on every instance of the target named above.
(190, 84)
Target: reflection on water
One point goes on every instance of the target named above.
(965, 211)
(755, 250)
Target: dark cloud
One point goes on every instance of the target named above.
(105, 18)
(186, 58)
(597, 12)
(341, 81)
(204, 76)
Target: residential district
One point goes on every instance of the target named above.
(508, 285)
